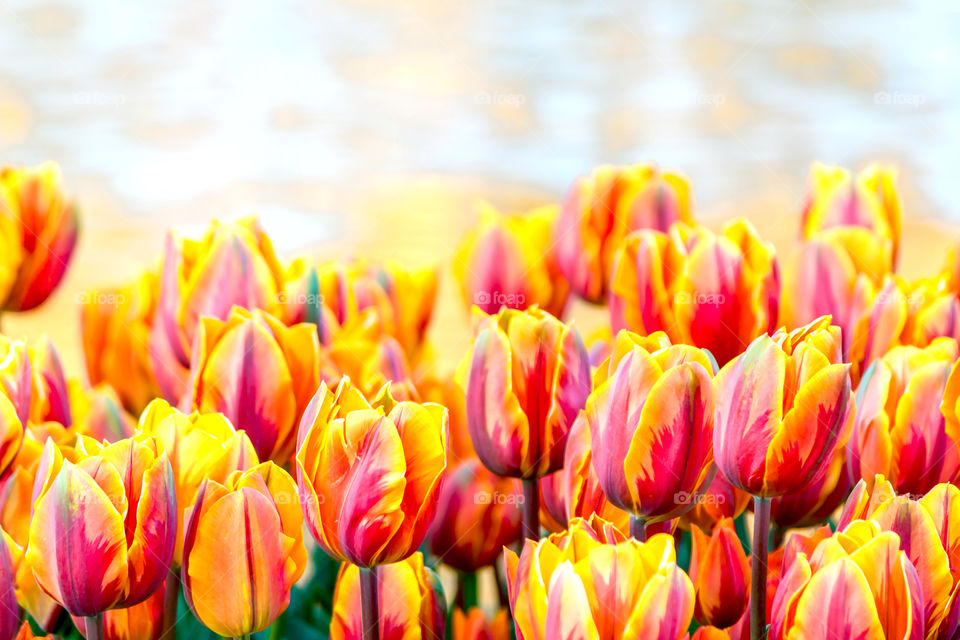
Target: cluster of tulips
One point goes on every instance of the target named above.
(752, 447)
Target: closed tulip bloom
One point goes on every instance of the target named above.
(478, 513)
(651, 428)
(603, 207)
(720, 573)
(200, 446)
(258, 373)
(838, 198)
(243, 550)
(813, 504)
(45, 224)
(710, 633)
(717, 291)
(142, 621)
(16, 377)
(528, 378)
(102, 532)
(370, 474)
(234, 264)
(401, 299)
(115, 327)
(49, 397)
(782, 410)
(506, 262)
(584, 584)
(476, 625)
(411, 602)
(857, 584)
(899, 430)
(720, 500)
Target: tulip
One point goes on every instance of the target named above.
(857, 584)
(899, 430)
(782, 409)
(97, 412)
(720, 500)
(478, 513)
(16, 380)
(528, 377)
(370, 361)
(651, 428)
(715, 291)
(870, 200)
(243, 550)
(720, 573)
(40, 223)
(259, 374)
(447, 390)
(369, 474)
(475, 625)
(813, 504)
(506, 262)
(115, 327)
(142, 621)
(49, 397)
(589, 582)
(9, 609)
(103, 529)
(11, 434)
(835, 273)
(410, 602)
(710, 633)
(602, 208)
(233, 265)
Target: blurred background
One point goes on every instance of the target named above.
(370, 127)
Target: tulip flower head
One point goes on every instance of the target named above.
(103, 529)
(506, 262)
(605, 206)
(782, 409)
(370, 474)
(720, 573)
(411, 602)
(243, 550)
(476, 625)
(529, 376)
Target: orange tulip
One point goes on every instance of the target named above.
(857, 584)
(258, 373)
(233, 265)
(651, 427)
(243, 550)
(782, 409)
(478, 513)
(715, 291)
(605, 206)
(720, 573)
(588, 582)
(505, 262)
(142, 621)
(410, 602)
(837, 198)
(201, 446)
(899, 430)
(370, 474)
(115, 326)
(40, 223)
(475, 625)
(102, 532)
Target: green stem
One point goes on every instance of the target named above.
(93, 625)
(171, 598)
(758, 568)
(370, 603)
(531, 508)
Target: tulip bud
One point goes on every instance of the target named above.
(201, 447)
(243, 550)
(529, 377)
(411, 602)
(233, 265)
(259, 374)
(102, 531)
(370, 475)
(478, 513)
(44, 221)
(781, 410)
(720, 573)
(505, 262)
(605, 206)
(651, 426)
(715, 291)
(49, 399)
(475, 625)
(577, 584)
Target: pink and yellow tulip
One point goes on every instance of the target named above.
(506, 262)
(370, 474)
(602, 208)
(715, 291)
(243, 550)
(39, 222)
(720, 573)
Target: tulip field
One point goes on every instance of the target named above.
(756, 445)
